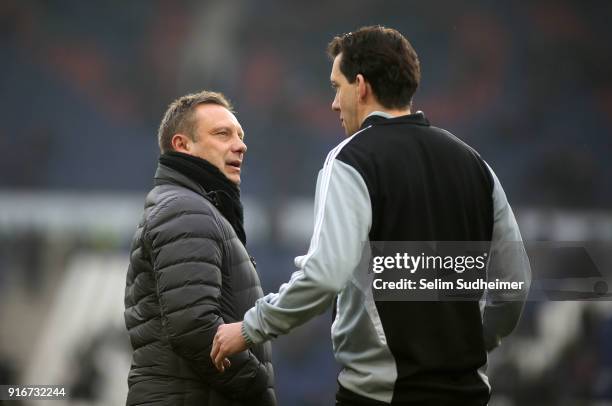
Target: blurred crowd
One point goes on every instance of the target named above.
(83, 87)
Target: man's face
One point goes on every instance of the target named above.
(345, 101)
(219, 139)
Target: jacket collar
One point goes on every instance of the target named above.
(166, 175)
(417, 118)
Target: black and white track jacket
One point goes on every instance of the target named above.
(400, 179)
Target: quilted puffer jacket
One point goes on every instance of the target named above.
(188, 274)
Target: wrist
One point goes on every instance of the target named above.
(245, 336)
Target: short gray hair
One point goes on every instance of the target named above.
(179, 117)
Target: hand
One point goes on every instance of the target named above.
(228, 341)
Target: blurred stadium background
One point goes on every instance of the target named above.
(83, 86)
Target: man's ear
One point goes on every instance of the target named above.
(363, 87)
(181, 143)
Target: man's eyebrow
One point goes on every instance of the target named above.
(221, 128)
(228, 129)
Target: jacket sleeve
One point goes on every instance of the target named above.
(342, 223)
(186, 251)
(508, 262)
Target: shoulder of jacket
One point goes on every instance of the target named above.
(349, 146)
(358, 150)
(166, 201)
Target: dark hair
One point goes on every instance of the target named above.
(179, 116)
(385, 59)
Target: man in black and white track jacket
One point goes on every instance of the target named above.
(396, 178)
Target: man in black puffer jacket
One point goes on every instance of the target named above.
(189, 270)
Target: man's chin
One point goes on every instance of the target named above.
(233, 177)
(347, 130)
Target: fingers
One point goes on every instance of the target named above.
(216, 350)
(215, 347)
(224, 364)
(227, 341)
(218, 360)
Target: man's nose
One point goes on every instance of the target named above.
(240, 147)
(335, 104)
